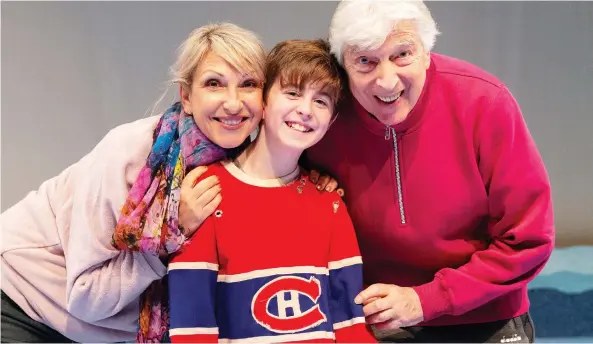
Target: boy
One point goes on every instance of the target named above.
(279, 260)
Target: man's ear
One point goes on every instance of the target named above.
(427, 61)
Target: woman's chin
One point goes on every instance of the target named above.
(230, 141)
(230, 137)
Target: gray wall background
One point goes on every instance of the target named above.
(73, 70)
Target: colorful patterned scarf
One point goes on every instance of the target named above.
(149, 219)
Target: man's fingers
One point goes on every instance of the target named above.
(191, 178)
(375, 290)
(369, 300)
(376, 306)
(340, 192)
(322, 183)
(380, 317)
(392, 324)
(207, 197)
(314, 176)
(331, 186)
(203, 186)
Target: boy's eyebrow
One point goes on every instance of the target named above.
(325, 94)
(285, 82)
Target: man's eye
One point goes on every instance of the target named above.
(405, 54)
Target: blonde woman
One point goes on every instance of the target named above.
(79, 252)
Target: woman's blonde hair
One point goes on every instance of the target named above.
(241, 48)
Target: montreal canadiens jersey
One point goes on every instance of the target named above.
(272, 264)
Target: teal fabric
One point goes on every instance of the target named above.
(562, 297)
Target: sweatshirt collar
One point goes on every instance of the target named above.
(411, 122)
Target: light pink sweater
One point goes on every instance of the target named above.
(58, 264)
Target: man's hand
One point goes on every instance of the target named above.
(197, 201)
(390, 307)
(325, 183)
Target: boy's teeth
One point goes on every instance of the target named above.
(230, 121)
(297, 126)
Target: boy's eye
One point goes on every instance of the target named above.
(321, 102)
(292, 93)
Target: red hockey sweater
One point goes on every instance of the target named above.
(454, 201)
(272, 264)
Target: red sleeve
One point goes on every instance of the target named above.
(345, 279)
(192, 278)
(521, 224)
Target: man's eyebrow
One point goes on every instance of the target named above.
(405, 43)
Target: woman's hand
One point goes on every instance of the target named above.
(325, 182)
(197, 201)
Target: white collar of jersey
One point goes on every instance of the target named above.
(238, 173)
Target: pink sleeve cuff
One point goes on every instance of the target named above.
(434, 299)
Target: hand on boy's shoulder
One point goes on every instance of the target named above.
(325, 183)
(199, 197)
(329, 201)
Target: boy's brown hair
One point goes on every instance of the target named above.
(301, 63)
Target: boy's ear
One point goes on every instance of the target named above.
(265, 97)
(333, 119)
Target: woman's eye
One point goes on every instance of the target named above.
(212, 83)
(250, 83)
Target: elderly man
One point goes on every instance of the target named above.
(443, 181)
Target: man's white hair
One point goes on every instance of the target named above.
(366, 24)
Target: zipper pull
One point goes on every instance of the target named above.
(387, 133)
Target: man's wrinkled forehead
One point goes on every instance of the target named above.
(393, 45)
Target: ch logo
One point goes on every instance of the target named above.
(294, 287)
